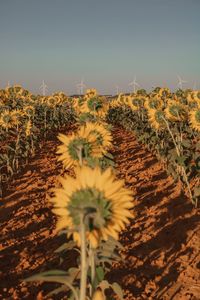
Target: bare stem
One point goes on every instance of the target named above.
(83, 283)
(92, 266)
(172, 136)
(182, 168)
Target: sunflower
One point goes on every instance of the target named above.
(77, 148)
(29, 110)
(53, 101)
(95, 106)
(18, 89)
(102, 200)
(195, 95)
(90, 93)
(194, 119)
(124, 99)
(19, 114)
(136, 103)
(92, 105)
(115, 102)
(102, 113)
(164, 92)
(9, 91)
(25, 93)
(95, 134)
(102, 136)
(175, 111)
(61, 96)
(32, 98)
(153, 103)
(77, 104)
(9, 119)
(194, 104)
(156, 119)
(198, 95)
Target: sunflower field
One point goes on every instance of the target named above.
(100, 195)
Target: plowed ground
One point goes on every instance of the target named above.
(161, 256)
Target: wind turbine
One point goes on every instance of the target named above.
(134, 84)
(117, 89)
(195, 86)
(8, 84)
(80, 86)
(180, 82)
(43, 88)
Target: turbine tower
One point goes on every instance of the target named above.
(117, 89)
(8, 84)
(80, 87)
(180, 82)
(195, 86)
(134, 84)
(43, 88)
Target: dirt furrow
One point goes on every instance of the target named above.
(161, 246)
(27, 226)
(161, 257)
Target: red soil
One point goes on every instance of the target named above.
(161, 257)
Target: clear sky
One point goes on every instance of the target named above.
(106, 42)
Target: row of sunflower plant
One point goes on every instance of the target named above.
(91, 205)
(169, 125)
(25, 119)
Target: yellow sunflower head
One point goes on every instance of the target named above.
(115, 103)
(156, 119)
(102, 135)
(53, 101)
(94, 133)
(77, 105)
(18, 89)
(93, 105)
(91, 93)
(175, 111)
(9, 119)
(153, 103)
(96, 196)
(194, 119)
(124, 99)
(61, 97)
(29, 110)
(196, 95)
(18, 113)
(32, 98)
(25, 93)
(193, 104)
(78, 148)
(164, 92)
(136, 103)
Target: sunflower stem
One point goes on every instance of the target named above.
(182, 167)
(83, 282)
(172, 136)
(92, 266)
